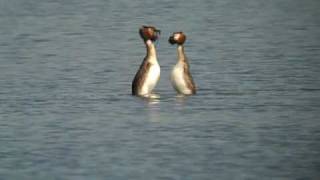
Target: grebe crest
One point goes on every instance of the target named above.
(177, 38)
(149, 33)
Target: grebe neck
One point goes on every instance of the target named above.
(181, 54)
(151, 51)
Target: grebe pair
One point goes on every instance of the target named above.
(148, 74)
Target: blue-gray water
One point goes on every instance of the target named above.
(65, 76)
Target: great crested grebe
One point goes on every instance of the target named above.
(181, 78)
(148, 74)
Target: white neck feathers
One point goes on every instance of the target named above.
(181, 55)
(151, 52)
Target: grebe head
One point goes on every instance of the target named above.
(149, 33)
(177, 38)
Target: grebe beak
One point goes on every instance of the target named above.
(158, 31)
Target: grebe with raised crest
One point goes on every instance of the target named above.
(181, 78)
(148, 74)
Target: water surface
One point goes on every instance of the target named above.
(65, 76)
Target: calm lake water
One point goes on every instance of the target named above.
(65, 81)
